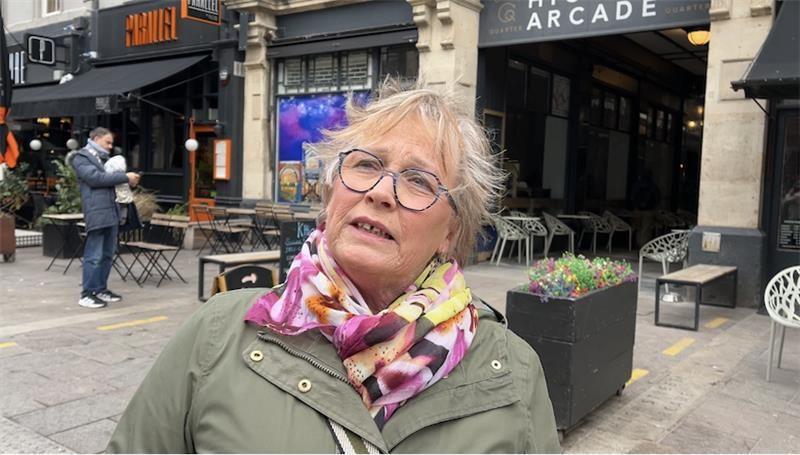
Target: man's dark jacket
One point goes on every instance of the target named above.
(97, 189)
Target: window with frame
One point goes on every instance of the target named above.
(400, 62)
(325, 73)
(50, 7)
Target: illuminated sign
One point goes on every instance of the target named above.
(151, 27)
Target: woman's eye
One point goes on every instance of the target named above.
(367, 164)
(420, 181)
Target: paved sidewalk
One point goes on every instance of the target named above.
(67, 373)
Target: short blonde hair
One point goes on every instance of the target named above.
(459, 141)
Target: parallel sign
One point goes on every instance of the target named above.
(505, 22)
(41, 50)
(201, 10)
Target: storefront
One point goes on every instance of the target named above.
(58, 47)
(596, 106)
(774, 78)
(318, 59)
(164, 71)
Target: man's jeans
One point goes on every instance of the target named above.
(98, 254)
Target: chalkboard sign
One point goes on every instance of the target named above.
(293, 235)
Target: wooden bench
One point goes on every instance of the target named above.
(698, 276)
(229, 260)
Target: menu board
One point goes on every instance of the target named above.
(789, 235)
(293, 235)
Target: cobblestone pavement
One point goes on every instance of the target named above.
(67, 373)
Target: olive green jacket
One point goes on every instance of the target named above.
(220, 385)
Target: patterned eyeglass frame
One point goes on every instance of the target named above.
(440, 189)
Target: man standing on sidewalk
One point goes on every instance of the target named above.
(100, 213)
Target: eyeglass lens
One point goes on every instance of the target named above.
(415, 189)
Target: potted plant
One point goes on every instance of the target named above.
(13, 194)
(68, 201)
(580, 317)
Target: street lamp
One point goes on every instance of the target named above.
(191, 145)
(699, 37)
(72, 143)
(35, 145)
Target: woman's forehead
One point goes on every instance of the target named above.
(409, 143)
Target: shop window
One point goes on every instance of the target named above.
(166, 134)
(624, 113)
(50, 7)
(538, 85)
(596, 107)
(322, 73)
(325, 73)
(516, 83)
(643, 121)
(401, 62)
(660, 130)
(610, 110)
(133, 134)
(290, 75)
(356, 72)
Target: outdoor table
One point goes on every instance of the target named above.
(257, 227)
(64, 224)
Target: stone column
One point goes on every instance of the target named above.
(448, 45)
(257, 140)
(731, 171)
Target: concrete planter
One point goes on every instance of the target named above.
(585, 345)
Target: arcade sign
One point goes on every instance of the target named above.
(505, 22)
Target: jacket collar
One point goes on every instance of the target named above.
(91, 157)
(482, 381)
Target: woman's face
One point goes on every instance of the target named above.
(372, 259)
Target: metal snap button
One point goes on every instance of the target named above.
(256, 356)
(496, 364)
(304, 385)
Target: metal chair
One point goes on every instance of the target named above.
(533, 227)
(669, 248)
(596, 225)
(618, 225)
(782, 299)
(508, 231)
(557, 227)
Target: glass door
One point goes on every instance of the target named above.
(784, 230)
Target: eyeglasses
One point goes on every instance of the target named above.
(414, 189)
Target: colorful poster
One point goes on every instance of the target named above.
(301, 120)
(290, 181)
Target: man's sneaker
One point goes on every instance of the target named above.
(108, 297)
(91, 301)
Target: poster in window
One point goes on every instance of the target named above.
(560, 104)
(290, 181)
(301, 121)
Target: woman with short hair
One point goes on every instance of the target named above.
(374, 343)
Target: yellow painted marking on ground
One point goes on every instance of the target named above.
(676, 348)
(716, 323)
(131, 323)
(636, 374)
(9, 344)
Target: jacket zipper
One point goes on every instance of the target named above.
(331, 372)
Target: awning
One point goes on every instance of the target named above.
(775, 72)
(95, 90)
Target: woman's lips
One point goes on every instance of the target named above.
(370, 231)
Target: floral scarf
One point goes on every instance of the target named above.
(390, 356)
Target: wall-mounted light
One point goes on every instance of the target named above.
(191, 145)
(691, 124)
(72, 143)
(699, 37)
(35, 145)
(224, 74)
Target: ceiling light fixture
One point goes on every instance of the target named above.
(699, 37)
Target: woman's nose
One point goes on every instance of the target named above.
(383, 192)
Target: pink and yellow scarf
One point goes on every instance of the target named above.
(391, 356)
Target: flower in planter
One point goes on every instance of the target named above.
(574, 276)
